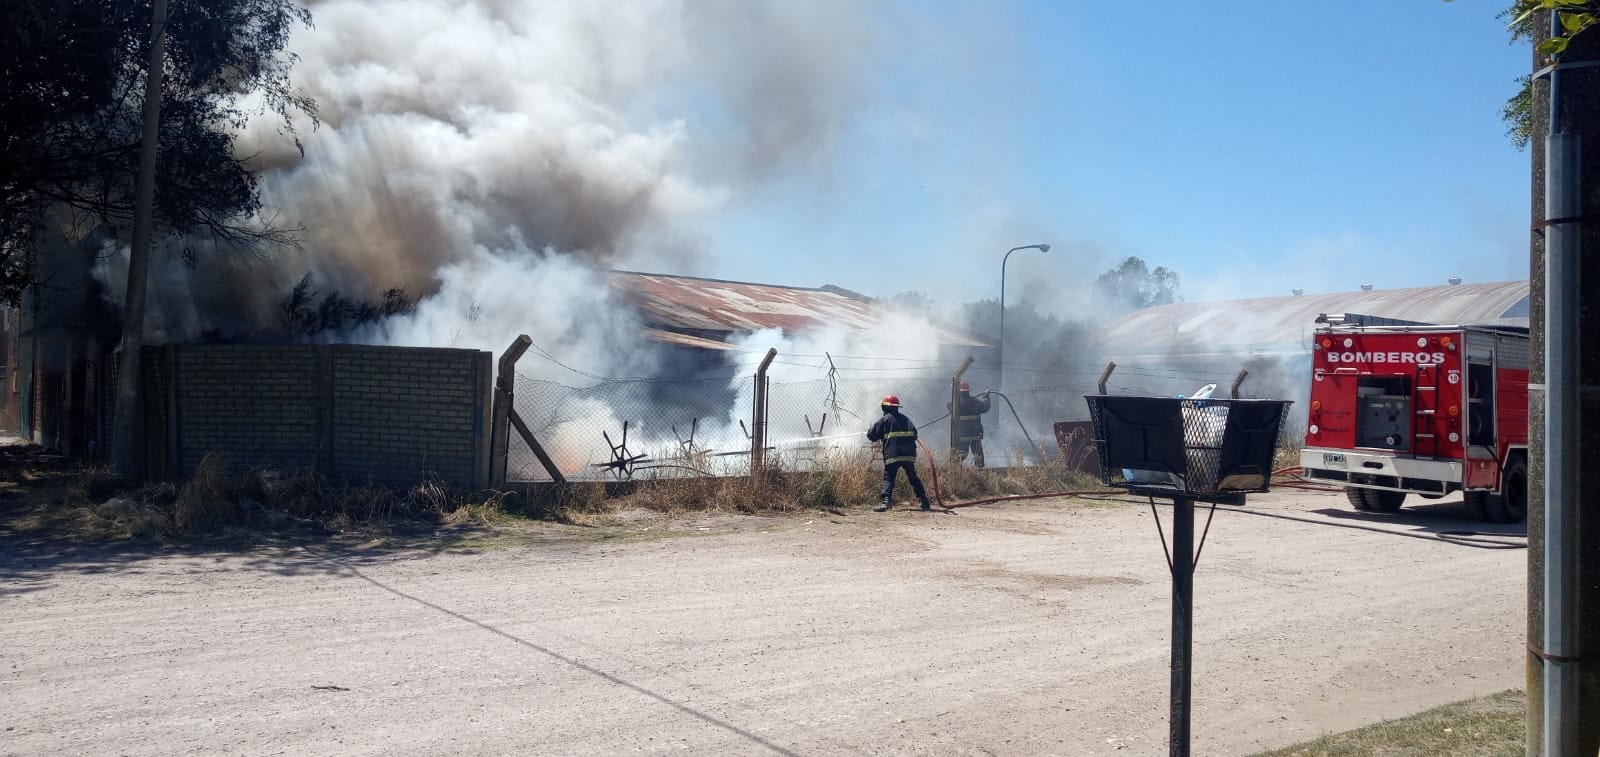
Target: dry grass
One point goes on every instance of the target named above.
(830, 479)
(1290, 440)
(1489, 726)
(88, 503)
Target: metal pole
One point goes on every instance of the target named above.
(1000, 348)
(1563, 200)
(1563, 204)
(1182, 622)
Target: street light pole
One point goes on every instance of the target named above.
(1000, 348)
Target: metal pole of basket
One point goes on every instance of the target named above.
(1186, 451)
(1182, 622)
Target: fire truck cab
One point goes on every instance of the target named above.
(1400, 407)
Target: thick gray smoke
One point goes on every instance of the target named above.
(467, 139)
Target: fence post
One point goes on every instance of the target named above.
(500, 426)
(1239, 382)
(955, 409)
(758, 421)
(1104, 377)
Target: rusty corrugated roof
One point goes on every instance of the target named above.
(687, 304)
(1277, 324)
(687, 340)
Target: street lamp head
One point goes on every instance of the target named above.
(1039, 247)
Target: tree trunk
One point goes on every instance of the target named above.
(125, 444)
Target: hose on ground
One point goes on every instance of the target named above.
(1031, 443)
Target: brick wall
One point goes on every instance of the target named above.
(400, 415)
(385, 415)
(255, 404)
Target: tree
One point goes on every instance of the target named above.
(308, 312)
(1131, 285)
(1576, 16)
(71, 115)
(911, 302)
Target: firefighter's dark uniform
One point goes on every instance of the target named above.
(899, 437)
(970, 426)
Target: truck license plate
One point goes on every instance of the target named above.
(1333, 458)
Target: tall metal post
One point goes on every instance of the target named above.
(1182, 623)
(1000, 347)
(1561, 489)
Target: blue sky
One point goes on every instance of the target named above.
(1251, 149)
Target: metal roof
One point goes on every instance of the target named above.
(1284, 324)
(707, 307)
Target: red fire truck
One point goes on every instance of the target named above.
(1399, 407)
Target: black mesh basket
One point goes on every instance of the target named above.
(1169, 447)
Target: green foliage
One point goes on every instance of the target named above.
(1576, 17)
(71, 117)
(1493, 725)
(911, 301)
(1518, 114)
(1132, 285)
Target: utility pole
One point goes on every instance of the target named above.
(126, 459)
(1563, 677)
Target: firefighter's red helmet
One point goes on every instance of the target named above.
(965, 387)
(891, 401)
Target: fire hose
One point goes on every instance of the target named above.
(1031, 443)
(939, 494)
(1289, 471)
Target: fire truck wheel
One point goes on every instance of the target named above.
(1385, 502)
(1511, 505)
(1477, 504)
(1357, 497)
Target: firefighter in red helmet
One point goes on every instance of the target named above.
(970, 423)
(899, 437)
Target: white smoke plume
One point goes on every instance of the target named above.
(462, 138)
(492, 157)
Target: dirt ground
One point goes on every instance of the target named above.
(1012, 629)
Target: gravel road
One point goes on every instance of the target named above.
(1023, 628)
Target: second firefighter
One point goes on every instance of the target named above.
(969, 428)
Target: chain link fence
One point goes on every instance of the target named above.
(617, 429)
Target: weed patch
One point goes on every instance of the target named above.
(1489, 726)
